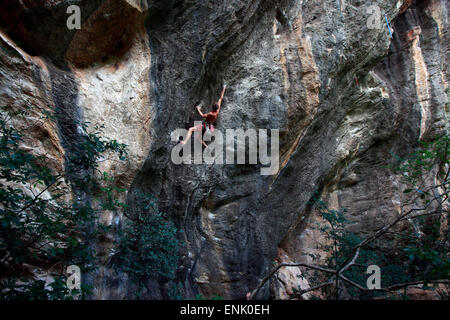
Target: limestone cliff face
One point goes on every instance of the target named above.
(343, 96)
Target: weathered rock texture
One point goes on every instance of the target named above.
(343, 96)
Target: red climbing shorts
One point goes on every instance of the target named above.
(204, 126)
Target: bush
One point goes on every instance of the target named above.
(39, 227)
(148, 244)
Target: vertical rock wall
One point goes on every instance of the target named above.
(343, 96)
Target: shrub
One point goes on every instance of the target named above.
(39, 227)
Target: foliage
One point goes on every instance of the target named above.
(176, 290)
(419, 254)
(339, 245)
(148, 245)
(41, 223)
(421, 162)
(428, 247)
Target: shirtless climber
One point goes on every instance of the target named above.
(210, 118)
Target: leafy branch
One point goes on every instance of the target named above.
(429, 252)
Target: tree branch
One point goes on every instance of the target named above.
(263, 282)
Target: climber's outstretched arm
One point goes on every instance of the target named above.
(221, 97)
(199, 109)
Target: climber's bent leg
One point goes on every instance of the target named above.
(191, 130)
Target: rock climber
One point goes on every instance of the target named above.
(209, 119)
